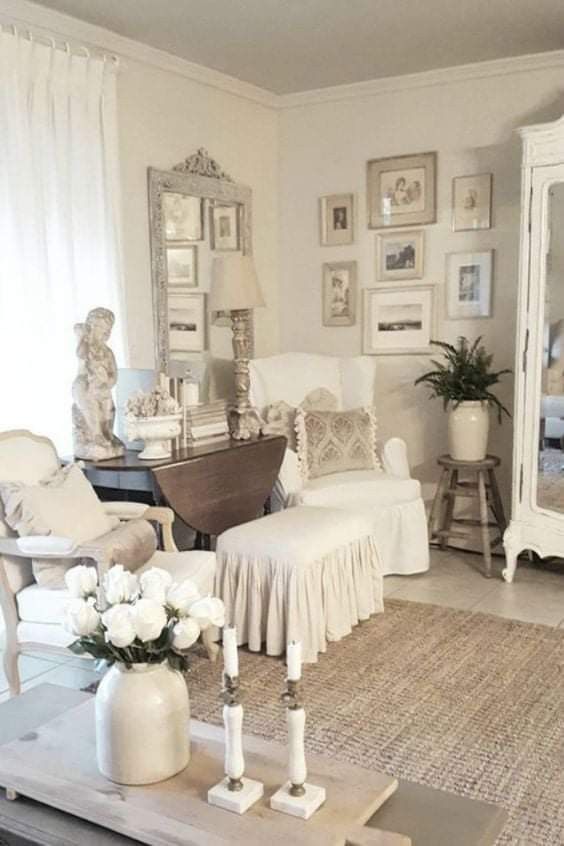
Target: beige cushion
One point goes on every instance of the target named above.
(64, 504)
(358, 489)
(280, 417)
(336, 441)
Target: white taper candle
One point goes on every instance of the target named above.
(230, 655)
(294, 660)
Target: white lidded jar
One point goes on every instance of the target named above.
(142, 723)
(468, 430)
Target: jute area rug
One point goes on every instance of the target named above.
(468, 703)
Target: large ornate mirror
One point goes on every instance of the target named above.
(196, 212)
(550, 480)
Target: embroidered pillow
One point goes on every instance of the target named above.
(280, 418)
(336, 441)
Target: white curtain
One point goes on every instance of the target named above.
(59, 224)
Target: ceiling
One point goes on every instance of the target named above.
(297, 45)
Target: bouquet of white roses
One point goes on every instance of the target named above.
(141, 620)
(155, 403)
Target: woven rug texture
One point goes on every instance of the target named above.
(465, 702)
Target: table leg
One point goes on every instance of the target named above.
(449, 510)
(484, 520)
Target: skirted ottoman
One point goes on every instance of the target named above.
(306, 573)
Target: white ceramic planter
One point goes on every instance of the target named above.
(142, 723)
(156, 432)
(468, 429)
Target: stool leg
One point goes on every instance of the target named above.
(437, 506)
(497, 502)
(448, 512)
(484, 519)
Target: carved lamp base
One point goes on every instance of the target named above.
(244, 424)
(244, 420)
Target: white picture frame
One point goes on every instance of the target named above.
(186, 323)
(339, 281)
(400, 255)
(336, 220)
(398, 320)
(472, 202)
(469, 285)
(183, 217)
(225, 224)
(182, 265)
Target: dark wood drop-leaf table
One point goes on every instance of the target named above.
(211, 488)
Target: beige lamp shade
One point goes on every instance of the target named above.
(234, 284)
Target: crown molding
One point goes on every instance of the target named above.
(54, 24)
(424, 79)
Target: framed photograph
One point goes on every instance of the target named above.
(183, 217)
(398, 320)
(469, 284)
(472, 202)
(336, 217)
(224, 227)
(339, 293)
(402, 191)
(186, 323)
(182, 266)
(399, 255)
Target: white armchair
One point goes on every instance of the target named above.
(391, 495)
(33, 614)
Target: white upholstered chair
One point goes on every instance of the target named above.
(33, 614)
(392, 496)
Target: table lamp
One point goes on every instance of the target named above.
(235, 288)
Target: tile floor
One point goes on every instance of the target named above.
(454, 580)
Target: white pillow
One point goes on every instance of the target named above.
(65, 504)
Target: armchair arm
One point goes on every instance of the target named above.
(289, 477)
(394, 458)
(139, 511)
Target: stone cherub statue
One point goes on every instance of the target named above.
(93, 410)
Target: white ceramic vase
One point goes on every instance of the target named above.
(142, 723)
(156, 432)
(468, 429)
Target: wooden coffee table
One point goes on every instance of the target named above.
(429, 817)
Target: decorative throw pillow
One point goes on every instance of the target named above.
(280, 418)
(64, 504)
(336, 441)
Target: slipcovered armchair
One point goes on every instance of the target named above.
(391, 495)
(33, 614)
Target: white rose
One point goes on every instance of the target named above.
(120, 585)
(81, 581)
(82, 619)
(180, 596)
(118, 621)
(149, 619)
(208, 611)
(184, 634)
(155, 583)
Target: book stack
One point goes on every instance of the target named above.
(205, 423)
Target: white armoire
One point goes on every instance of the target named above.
(537, 510)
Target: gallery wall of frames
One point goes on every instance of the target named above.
(398, 306)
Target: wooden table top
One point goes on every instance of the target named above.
(131, 460)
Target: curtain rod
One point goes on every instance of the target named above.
(61, 44)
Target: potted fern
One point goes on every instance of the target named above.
(464, 380)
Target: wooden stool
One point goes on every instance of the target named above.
(484, 489)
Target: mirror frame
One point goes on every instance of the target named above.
(199, 176)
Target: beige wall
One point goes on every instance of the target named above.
(164, 117)
(324, 149)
